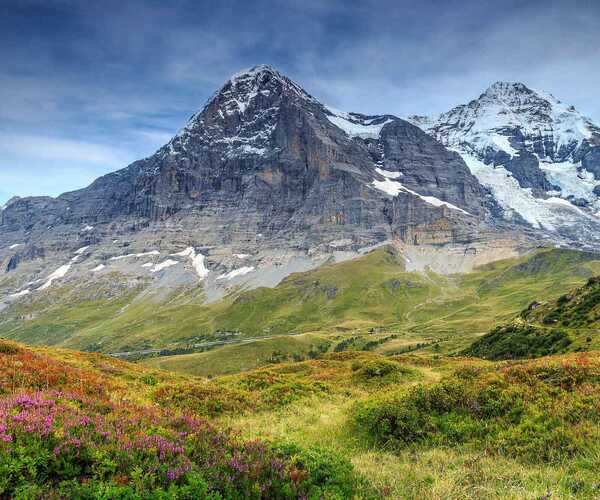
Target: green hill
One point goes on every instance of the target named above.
(370, 293)
(569, 323)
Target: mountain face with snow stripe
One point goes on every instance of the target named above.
(539, 157)
(263, 170)
(266, 153)
(266, 171)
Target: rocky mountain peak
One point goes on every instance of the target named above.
(264, 78)
(503, 88)
(253, 88)
(240, 118)
(509, 116)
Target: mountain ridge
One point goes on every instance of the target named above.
(266, 171)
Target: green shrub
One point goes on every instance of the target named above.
(322, 473)
(518, 341)
(537, 412)
(381, 370)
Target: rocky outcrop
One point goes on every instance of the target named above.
(525, 167)
(590, 161)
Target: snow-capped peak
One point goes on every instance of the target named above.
(242, 115)
(263, 80)
(261, 75)
(509, 116)
(501, 88)
(538, 156)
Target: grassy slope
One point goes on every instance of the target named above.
(370, 292)
(237, 358)
(421, 471)
(313, 403)
(443, 315)
(569, 323)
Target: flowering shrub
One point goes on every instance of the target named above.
(65, 445)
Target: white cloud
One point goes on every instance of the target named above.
(44, 148)
(32, 165)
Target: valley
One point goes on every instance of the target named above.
(367, 298)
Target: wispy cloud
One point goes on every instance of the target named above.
(52, 149)
(41, 165)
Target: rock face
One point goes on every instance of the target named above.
(264, 157)
(539, 158)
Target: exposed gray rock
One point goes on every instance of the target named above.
(13, 262)
(591, 161)
(525, 167)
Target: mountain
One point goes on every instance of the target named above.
(263, 181)
(263, 156)
(539, 157)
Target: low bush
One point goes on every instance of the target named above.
(209, 399)
(518, 341)
(538, 411)
(382, 371)
(277, 388)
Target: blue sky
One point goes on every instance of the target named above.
(87, 87)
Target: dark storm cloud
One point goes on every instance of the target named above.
(89, 86)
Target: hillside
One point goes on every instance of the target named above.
(570, 322)
(78, 424)
(370, 294)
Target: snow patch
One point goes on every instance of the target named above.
(197, 261)
(87, 229)
(164, 265)
(393, 188)
(98, 268)
(354, 126)
(236, 272)
(16, 245)
(59, 273)
(502, 143)
(389, 175)
(188, 252)
(20, 294)
(137, 255)
(79, 251)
